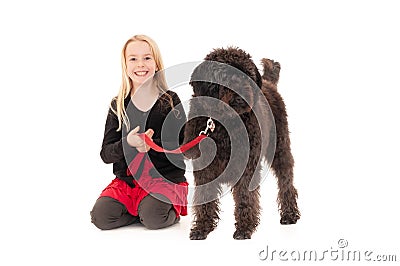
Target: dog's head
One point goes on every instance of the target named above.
(230, 76)
(271, 70)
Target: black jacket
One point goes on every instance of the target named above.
(168, 133)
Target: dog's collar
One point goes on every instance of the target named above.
(210, 126)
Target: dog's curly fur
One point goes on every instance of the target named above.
(247, 205)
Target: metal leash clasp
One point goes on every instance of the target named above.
(210, 126)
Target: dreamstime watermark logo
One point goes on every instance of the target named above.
(225, 116)
(341, 252)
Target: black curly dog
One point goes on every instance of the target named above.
(237, 89)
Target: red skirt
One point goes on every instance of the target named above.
(145, 185)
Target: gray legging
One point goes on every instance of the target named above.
(109, 213)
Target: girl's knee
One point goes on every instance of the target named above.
(156, 214)
(105, 212)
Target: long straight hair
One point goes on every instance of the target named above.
(126, 84)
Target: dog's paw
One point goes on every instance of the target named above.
(197, 235)
(239, 235)
(289, 219)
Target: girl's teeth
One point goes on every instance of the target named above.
(141, 73)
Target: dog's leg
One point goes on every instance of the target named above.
(206, 210)
(247, 208)
(287, 195)
(283, 162)
(282, 165)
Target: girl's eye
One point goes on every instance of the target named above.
(132, 59)
(147, 58)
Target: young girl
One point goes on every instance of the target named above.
(149, 187)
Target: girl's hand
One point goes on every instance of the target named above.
(146, 148)
(136, 141)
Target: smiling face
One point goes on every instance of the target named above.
(140, 63)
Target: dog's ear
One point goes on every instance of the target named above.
(204, 88)
(198, 87)
(224, 94)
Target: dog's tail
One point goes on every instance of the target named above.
(271, 70)
(280, 133)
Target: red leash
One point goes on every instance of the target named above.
(203, 134)
(182, 149)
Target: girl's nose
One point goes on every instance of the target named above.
(140, 63)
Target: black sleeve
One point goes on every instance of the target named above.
(182, 114)
(112, 148)
(174, 126)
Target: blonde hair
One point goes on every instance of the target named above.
(126, 84)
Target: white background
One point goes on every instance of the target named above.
(60, 67)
